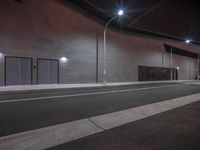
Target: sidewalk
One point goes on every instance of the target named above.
(84, 85)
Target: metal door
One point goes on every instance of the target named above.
(25, 71)
(47, 71)
(53, 71)
(18, 71)
(12, 71)
(43, 71)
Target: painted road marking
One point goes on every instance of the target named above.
(86, 94)
(43, 138)
(119, 118)
(47, 137)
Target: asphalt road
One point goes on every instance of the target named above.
(178, 129)
(55, 92)
(24, 115)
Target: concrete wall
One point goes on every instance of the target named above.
(50, 29)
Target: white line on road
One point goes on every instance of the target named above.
(86, 94)
(43, 138)
(119, 118)
(47, 137)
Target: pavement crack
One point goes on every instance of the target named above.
(96, 124)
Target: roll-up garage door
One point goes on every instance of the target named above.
(48, 71)
(18, 71)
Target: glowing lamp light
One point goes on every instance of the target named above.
(187, 41)
(120, 12)
(63, 59)
(1, 55)
(177, 68)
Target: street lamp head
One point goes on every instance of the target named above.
(120, 12)
(63, 59)
(187, 41)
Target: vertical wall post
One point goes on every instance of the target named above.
(171, 64)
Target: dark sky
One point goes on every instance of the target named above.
(178, 18)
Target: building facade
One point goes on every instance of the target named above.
(35, 34)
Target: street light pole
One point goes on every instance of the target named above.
(120, 12)
(171, 59)
(104, 48)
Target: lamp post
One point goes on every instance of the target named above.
(171, 59)
(120, 12)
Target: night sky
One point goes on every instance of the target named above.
(179, 18)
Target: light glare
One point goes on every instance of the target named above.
(120, 12)
(1, 54)
(63, 59)
(187, 41)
